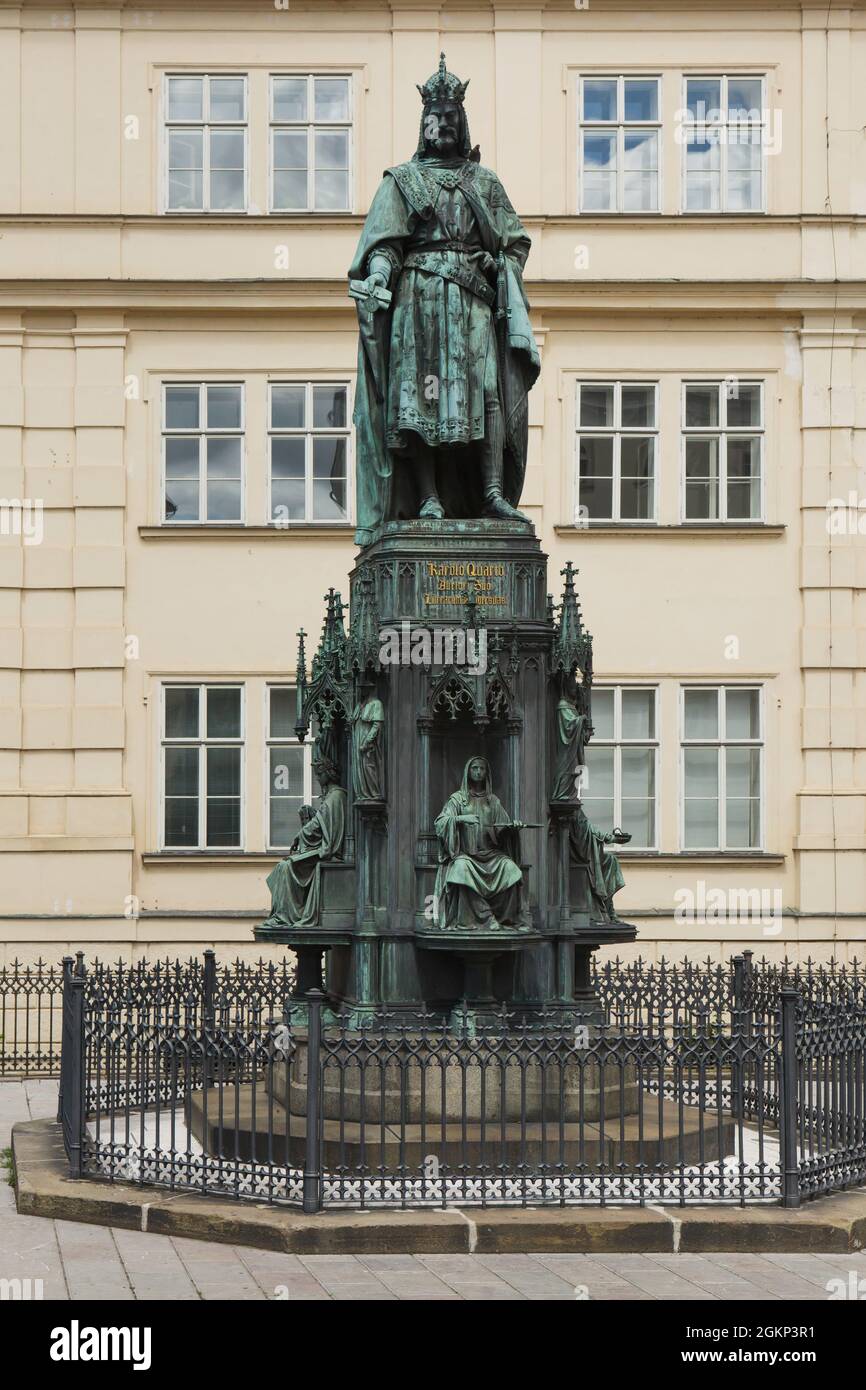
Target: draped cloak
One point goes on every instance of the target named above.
(367, 721)
(295, 881)
(571, 730)
(588, 848)
(478, 858)
(426, 363)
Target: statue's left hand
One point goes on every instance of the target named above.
(486, 263)
(618, 837)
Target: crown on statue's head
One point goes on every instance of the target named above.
(443, 85)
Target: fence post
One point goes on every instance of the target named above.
(71, 1101)
(208, 1012)
(312, 1172)
(790, 998)
(66, 968)
(738, 1038)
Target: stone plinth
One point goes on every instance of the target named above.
(258, 1128)
(406, 1090)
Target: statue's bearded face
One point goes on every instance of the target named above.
(442, 126)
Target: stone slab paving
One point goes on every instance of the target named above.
(77, 1261)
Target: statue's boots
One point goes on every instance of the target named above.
(491, 468)
(432, 509)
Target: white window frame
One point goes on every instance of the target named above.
(723, 431)
(309, 434)
(617, 743)
(283, 741)
(726, 124)
(203, 433)
(202, 742)
(616, 432)
(721, 743)
(620, 126)
(205, 124)
(312, 125)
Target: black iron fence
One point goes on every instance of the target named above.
(736, 1083)
(31, 1000)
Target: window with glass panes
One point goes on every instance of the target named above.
(202, 443)
(290, 778)
(202, 766)
(310, 143)
(618, 787)
(616, 450)
(724, 137)
(619, 144)
(723, 440)
(722, 749)
(206, 139)
(309, 451)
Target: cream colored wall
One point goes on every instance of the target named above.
(103, 297)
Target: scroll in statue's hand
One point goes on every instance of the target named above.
(372, 291)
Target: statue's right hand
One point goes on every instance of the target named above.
(376, 281)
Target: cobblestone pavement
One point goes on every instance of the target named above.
(75, 1261)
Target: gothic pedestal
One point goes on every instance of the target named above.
(453, 638)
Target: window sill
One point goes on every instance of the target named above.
(211, 856)
(652, 215)
(700, 856)
(197, 215)
(237, 531)
(688, 856)
(681, 529)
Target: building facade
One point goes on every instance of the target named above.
(182, 189)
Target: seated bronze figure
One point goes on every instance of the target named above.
(479, 881)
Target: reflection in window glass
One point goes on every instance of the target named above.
(619, 144)
(615, 451)
(309, 452)
(288, 769)
(206, 144)
(203, 451)
(724, 137)
(723, 446)
(202, 766)
(722, 767)
(619, 786)
(310, 144)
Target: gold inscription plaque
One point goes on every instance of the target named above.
(448, 581)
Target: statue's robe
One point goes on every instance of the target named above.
(477, 883)
(367, 779)
(457, 330)
(588, 848)
(295, 881)
(571, 731)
